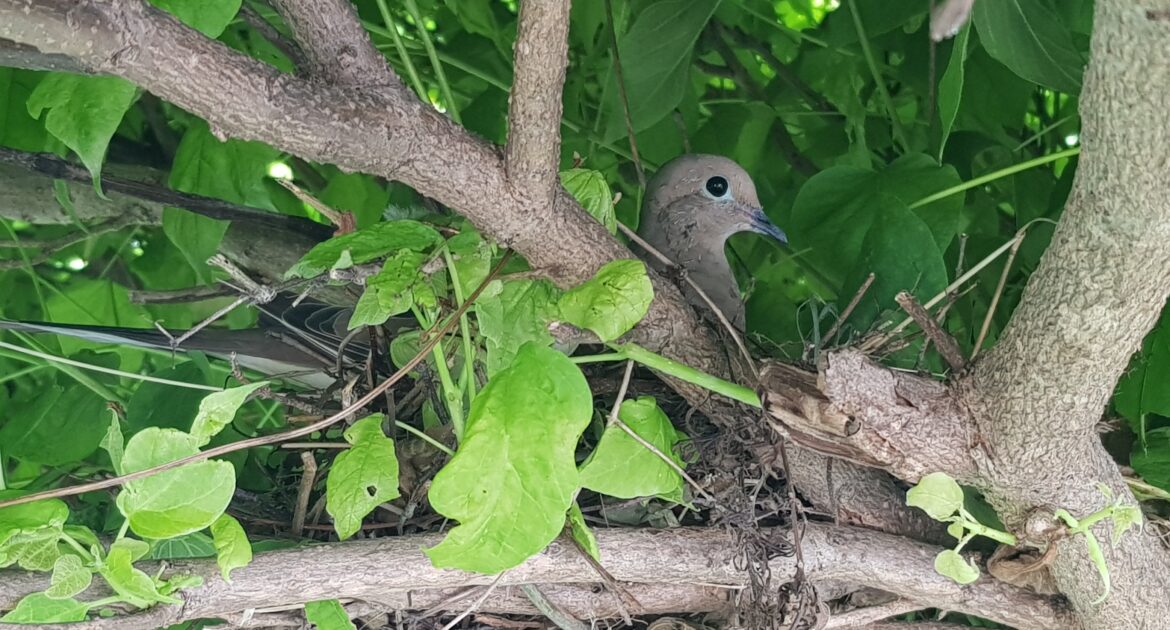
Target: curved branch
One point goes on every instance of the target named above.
(394, 569)
(337, 48)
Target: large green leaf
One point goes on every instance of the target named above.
(58, 427)
(83, 112)
(836, 208)
(611, 302)
(363, 476)
(1030, 38)
(39, 608)
(656, 60)
(518, 313)
(623, 468)
(209, 17)
(918, 269)
(390, 291)
(365, 245)
(950, 87)
(1142, 389)
(1151, 457)
(18, 130)
(513, 477)
(177, 501)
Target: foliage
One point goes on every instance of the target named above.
(875, 153)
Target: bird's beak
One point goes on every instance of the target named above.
(761, 224)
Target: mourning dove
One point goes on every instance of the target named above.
(692, 206)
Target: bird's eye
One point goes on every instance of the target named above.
(717, 186)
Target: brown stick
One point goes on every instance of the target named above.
(946, 344)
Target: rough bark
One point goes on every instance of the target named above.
(395, 573)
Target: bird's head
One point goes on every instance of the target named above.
(711, 192)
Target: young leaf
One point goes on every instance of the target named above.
(936, 494)
(232, 549)
(611, 302)
(114, 443)
(327, 614)
(70, 577)
(133, 585)
(473, 258)
(218, 409)
(591, 190)
(365, 245)
(362, 477)
(513, 477)
(952, 564)
(518, 313)
(581, 532)
(38, 608)
(84, 112)
(390, 291)
(623, 468)
(177, 501)
(29, 533)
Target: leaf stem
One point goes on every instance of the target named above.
(451, 392)
(425, 37)
(392, 31)
(863, 39)
(464, 326)
(689, 374)
(990, 177)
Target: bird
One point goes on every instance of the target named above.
(693, 204)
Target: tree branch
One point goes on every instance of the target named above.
(394, 570)
(338, 49)
(534, 105)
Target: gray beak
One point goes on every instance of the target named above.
(762, 224)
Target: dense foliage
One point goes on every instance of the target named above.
(878, 152)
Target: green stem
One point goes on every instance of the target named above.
(989, 532)
(450, 391)
(689, 374)
(599, 358)
(81, 551)
(392, 32)
(464, 326)
(990, 177)
(895, 123)
(444, 87)
(424, 437)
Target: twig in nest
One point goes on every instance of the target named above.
(344, 221)
(562, 619)
(946, 344)
(179, 296)
(861, 291)
(1003, 276)
(476, 604)
(307, 479)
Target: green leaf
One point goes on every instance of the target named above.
(473, 258)
(390, 291)
(919, 270)
(327, 614)
(836, 208)
(173, 502)
(363, 476)
(60, 426)
(936, 494)
(70, 577)
(357, 193)
(582, 533)
(232, 549)
(611, 302)
(1028, 37)
(133, 585)
(83, 112)
(1098, 558)
(1124, 517)
(195, 236)
(209, 17)
(365, 245)
(193, 545)
(18, 130)
(1151, 457)
(1139, 392)
(518, 313)
(38, 608)
(513, 477)
(623, 468)
(950, 563)
(218, 409)
(656, 55)
(114, 443)
(950, 87)
(591, 190)
(34, 549)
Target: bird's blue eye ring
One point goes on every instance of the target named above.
(717, 186)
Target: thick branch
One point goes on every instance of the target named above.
(15, 55)
(534, 105)
(391, 570)
(338, 49)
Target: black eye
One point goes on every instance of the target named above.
(717, 186)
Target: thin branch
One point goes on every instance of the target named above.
(338, 49)
(179, 296)
(849, 308)
(610, 26)
(947, 346)
(308, 476)
(1003, 276)
(535, 104)
(51, 248)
